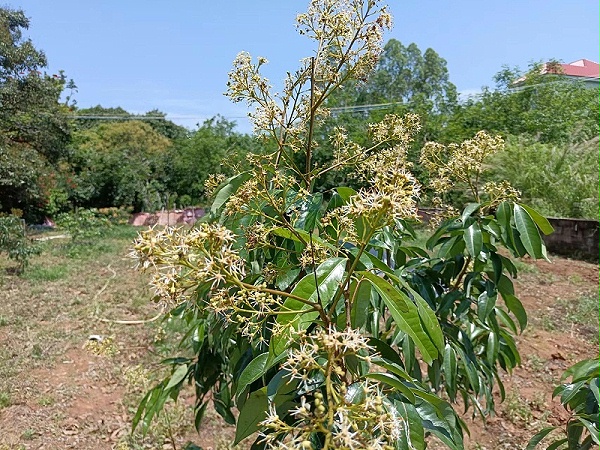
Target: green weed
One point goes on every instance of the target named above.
(46, 400)
(583, 313)
(517, 409)
(46, 273)
(28, 434)
(5, 400)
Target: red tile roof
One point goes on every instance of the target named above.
(580, 68)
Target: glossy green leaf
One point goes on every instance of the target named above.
(528, 232)
(485, 305)
(570, 391)
(177, 377)
(319, 286)
(592, 429)
(385, 351)
(542, 223)
(300, 236)
(254, 411)
(515, 306)
(450, 370)
(393, 382)
(309, 212)
(473, 240)
(253, 371)
(436, 422)
(405, 314)
(286, 278)
(428, 317)
(497, 265)
(361, 293)
(492, 348)
(345, 192)
(538, 437)
(230, 186)
(416, 432)
(355, 393)
(585, 368)
(505, 286)
(468, 211)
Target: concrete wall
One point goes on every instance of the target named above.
(573, 237)
(187, 216)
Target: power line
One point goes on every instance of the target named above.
(97, 117)
(364, 107)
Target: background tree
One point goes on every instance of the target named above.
(120, 164)
(96, 114)
(34, 132)
(547, 107)
(214, 148)
(551, 127)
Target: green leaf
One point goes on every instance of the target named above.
(592, 428)
(515, 306)
(229, 187)
(529, 234)
(574, 432)
(428, 317)
(406, 315)
(253, 412)
(253, 371)
(309, 212)
(393, 367)
(282, 386)
(585, 368)
(556, 444)
(322, 286)
(140, 411)
(416, 432)
(492, 348)
(361, 292)
(393, 382)
(450, 370)
(385, 351)
(504, 215)
(177, 377)
(497, 265)
(345, 192)
(540, 220)
(485, 305)
(538, 437)
(570, 391)
(286, 278)
(473, 240)
(436, 422)
(468, 211)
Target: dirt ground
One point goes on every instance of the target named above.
(57, 391)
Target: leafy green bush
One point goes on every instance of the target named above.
(116, 216)
(14, 241)
(83, 225)
(558, 180)
(313, 313)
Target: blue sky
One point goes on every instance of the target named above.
(175, 55)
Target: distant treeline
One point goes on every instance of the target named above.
(52, 160)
